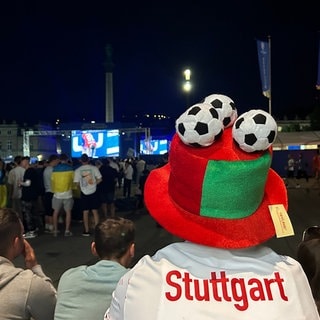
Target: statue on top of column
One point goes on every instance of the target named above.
(108, 62)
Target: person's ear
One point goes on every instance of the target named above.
(132, 250)
(17, 246)
(93, 249)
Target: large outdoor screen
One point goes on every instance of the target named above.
(155, 146)
(95, 143)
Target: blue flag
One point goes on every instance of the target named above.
(264, 66)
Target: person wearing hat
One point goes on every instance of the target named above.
(219, 194)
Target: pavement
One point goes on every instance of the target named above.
(57, 254)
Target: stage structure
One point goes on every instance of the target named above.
(129, 137)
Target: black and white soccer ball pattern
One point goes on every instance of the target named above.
(201, 125)
(255, 130)
(225, 107)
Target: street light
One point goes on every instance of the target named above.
(187, 74)
(187, 86)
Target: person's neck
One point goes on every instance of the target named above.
(123, 261)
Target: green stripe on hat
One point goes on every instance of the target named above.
(234, 189)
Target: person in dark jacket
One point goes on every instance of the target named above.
(107, 187)
(30, 193)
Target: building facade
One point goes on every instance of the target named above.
(12, 141)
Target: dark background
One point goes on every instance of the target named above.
(53, 54)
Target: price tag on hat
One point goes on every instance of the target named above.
(281, 221)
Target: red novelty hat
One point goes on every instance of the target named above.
(217, 186)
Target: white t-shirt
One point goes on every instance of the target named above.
(47, 172)
(291, 164)
(141, 164)
(190, 281)
(128, 172)
(15, 176)
(87, 175)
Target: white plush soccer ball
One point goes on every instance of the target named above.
(199, 126)
(225, 106)
(254, 130)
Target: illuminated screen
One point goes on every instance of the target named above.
(153, 146)
(95, 143)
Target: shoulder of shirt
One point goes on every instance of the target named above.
(62, 167)
(73, 271)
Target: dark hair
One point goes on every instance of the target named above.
(106, 161)
(113, 237)
(25, 158)
(84, 158)
(17, 159)
(312, 232)
(10, 227)
(63, 157)
(53, 157)
(308, 255)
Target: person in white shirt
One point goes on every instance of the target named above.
(140, 167)
(127, 178)
(87, 177)
(15, 177)
(217, 194)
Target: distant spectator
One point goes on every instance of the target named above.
(87, 177)
(140, 193)
(47, 200)
(127, 178)
(121, 173)
(290, 167)
(15, 176)
(62, 185)
(29, 199)
(107, 187)
(140, 167)
(316, 164)
(302, 168)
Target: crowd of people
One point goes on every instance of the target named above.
(300, 168)
(52, 186)
(224, 201)
(62, 189)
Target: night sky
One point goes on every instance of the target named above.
(53, 53)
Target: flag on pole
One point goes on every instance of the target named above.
(318, 80)
(264, 66)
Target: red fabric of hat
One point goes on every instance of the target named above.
(217, 195)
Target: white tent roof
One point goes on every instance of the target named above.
(297, 138)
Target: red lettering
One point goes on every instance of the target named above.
(222, 288)
(175, 285)
(198, 295)
(256, 293)
(186, 279)
(279, 281)
(213, 282)
(223, 280)
(239, 295)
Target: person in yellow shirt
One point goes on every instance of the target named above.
(62, 188)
